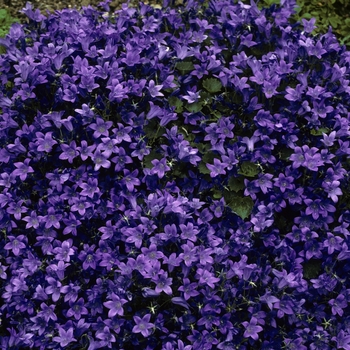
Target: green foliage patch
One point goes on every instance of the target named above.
(334, 13)
(5, 22)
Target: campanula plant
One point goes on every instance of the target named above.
(174, 179)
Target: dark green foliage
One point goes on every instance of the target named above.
(334, 13)
(5, 22)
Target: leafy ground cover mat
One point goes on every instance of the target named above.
(174, 178)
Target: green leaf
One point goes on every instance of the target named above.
(3, 14)
(271, 2)
(345, 40)
(217, 194)
(242, 206)
(334, 22)
(177, 103)
(147, 160)
(203, 168)
(153, 129)
(307, 15)
(236, 183)
(205, 95)
(207, 158)
(217, 114)
(185, 66)
(187, 134)
(312, 268)
(248, 169)
(285, 153)
(319, 131)
(212, 85)
(194, 107)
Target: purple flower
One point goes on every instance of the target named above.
(189, 289)
(118, 91)
(3, 274)
(284, 182)
(122, 133)
(269, 299)
(180, 346)
(134, 235)
(59, 268)
(80, 204)
(285, 279)
(47, 312)
(71, 292)
(54, 288)
(88, 257)
(338, 305)
(7, 180)
(23, 169)
(85, 112)
(16, 209)
(65, 251)
(333, 243)
(65, 337)
(225, 128)
(159, 167)
(57, 179)
(309, 26)
(163, 283)
(154, 90)
(89, 188)
(189, 232)
(240, 83)
(52, 219)
(172, 261)
(270, 86)
(192, 97)
(285, 307)
(212, 133)
(130, 179)
(152, 253)
(107, 338)
(343, 340)
(70, 93)
(206, 277)
(189, 253)
(115, 305)
(77, 309)
(298, 157)
(69, 152)
(294, 94)
(122, 158)
(333, 190)
(100, 128)
(317, 207)
(100, 160)
(218, 168)
(45, 142)
(252, 329)
(247, 41)
(32, 220)
(16, 244)
(143, 325)
(313, 160)
(264, 182)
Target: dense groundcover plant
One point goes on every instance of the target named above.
(174, 179)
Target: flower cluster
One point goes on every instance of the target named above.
(174, 179)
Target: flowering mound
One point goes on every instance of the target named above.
(174, 179)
